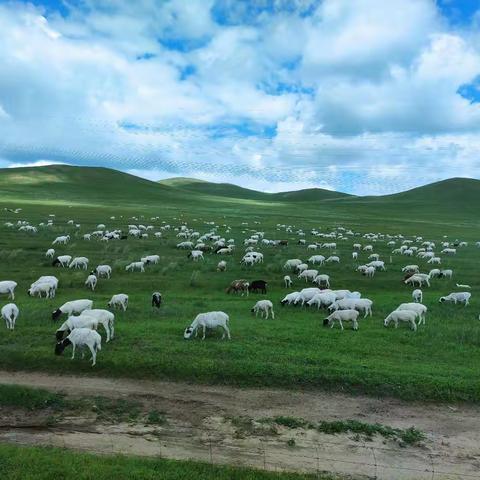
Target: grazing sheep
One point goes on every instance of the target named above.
(308, 275)
(377, 264)
(75, 322)
(361, 304)
(135, 266)
(156, 299)
(74, 306)
(314, 259)
(290, 298)
(457, 297)
(63, 240)
(103, 271)
(79, 262)
(411, 268)
(418, 278)
(292, 263)
(208, 320)
(257, 285)
(436, 260)
(119, 300)
(354, 255)
(8, 286)
(324, 299)
(196, 255)
(47, 288)
(62, 260)
(396, 316)
(238, 286)
(322, 280)
(417, 295)
(222, 266)
(369, 271)
(10, 314)
(418, 308)
(50, 253)
(150, 259)
(91, 281)
(287, 281)
(447, 273)
(333, 259)
(81, 337)
(264, 307)
(46, 279)
(341, 316)
(103, 317)
(306, 294)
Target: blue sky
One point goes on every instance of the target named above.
(367, 97)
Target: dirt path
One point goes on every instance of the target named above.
(201, 425)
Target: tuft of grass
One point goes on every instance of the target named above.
(30, 398)
(115, 410)
(156, 418)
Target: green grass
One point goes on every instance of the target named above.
(438, 362)
(34, 463)
(30, 398)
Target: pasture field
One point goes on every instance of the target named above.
(438, 362)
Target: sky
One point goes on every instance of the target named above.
(364, 96)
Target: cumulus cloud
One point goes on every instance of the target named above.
(364, 97)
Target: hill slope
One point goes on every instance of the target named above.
(234, 191)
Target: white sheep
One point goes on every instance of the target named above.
(308, 275)
(418, 278)
(292, 263)
(314, 259)
(103, 317)
(74, 306)
(208, 320)
(457, 297)
(341, 316)
(63, 239)
(47, 288)
(196, 255)
(8, 286)
(324, 299)
(135, 266)
(103, 271)
(417, 295)
(119, 300)
(361, 304)
(322, 279)
(401, 316)
(91, 282)
(287, 281)
(447, 273)
(75, 322)
(410, 268)
(79, 262)
(418, 308)
(290, 298)
(354, 255)
(333, 259)
(151, 259)
(62, 260)
(50, 253)
(306, 294)
(222, 266)
(81, 337)
(10, 314)
(46, 279)
(264, 307)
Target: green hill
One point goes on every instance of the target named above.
(234, 191)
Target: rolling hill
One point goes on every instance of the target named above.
(95, 186)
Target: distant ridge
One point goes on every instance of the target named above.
(234, 191)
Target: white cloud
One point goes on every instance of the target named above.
(38, 163)
(350, 94)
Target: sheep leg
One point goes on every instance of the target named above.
(94, 355)
(273, 315)
(73, 351)
(341, 324)
(204, 330)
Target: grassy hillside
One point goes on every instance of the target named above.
(234, 191)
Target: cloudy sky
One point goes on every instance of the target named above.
(364, 96)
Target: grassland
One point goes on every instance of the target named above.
(31, 463)
(439, 362)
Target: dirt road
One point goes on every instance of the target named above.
(203, 425)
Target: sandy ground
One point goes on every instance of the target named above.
(199, 427)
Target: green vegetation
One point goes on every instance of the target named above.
(30, 398)
(34, 463)
(438, 362)
(409, 436)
